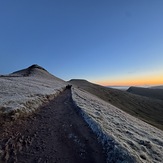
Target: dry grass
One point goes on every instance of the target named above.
(147, 109)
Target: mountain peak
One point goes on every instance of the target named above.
(35, 66)
(35, 71)
(30, 70)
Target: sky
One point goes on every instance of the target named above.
(109, 42)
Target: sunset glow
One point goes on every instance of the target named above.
(133, 81)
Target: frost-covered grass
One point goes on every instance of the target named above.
(126, 138)
(23, 95)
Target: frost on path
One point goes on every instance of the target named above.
(126, 138)
(21, 94)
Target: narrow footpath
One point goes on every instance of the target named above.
(55, 134)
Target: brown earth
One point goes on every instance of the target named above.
(56, 133)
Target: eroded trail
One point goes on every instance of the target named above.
(57, 133)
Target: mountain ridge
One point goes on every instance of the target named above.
(153, 93)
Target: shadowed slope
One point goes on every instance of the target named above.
(144, 108)
(157, 87)
(148, 92)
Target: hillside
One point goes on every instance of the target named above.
(157, 87)
(154, 93)
(35, 71)
(144, 108)
(22, 92)
(126, 138)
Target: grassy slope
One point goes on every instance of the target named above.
(144, 108)
(157, 87)
(148, 92)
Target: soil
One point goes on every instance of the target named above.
(55, 134)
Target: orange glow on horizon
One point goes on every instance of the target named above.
(148, 80)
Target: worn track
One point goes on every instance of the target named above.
(56, 133)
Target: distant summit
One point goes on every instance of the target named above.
(157, 87)
(28, 71)
(34, 71)
(36, 66)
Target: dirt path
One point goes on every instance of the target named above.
(55, 134)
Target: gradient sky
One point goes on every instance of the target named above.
(111, 42)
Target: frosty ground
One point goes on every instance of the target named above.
(55, 133)
(125, 134)
(124, 137)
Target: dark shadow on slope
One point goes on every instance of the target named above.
(147, 92)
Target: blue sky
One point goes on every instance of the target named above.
(103, 41)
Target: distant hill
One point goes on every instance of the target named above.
(28, 71)
(144, 108)
(148, 92)
(157, 87)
